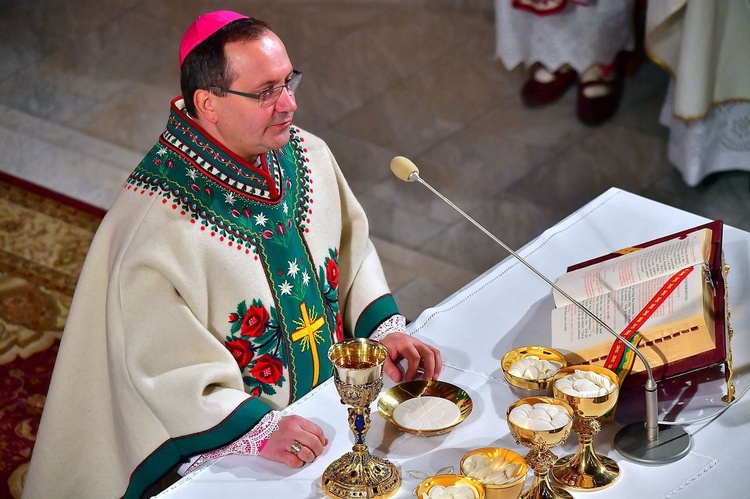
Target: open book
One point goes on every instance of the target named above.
(671, 290)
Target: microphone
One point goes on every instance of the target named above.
(643, 442)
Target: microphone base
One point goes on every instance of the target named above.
(631, 442)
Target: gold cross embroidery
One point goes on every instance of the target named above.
(307, 330)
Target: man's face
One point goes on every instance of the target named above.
(242, 125)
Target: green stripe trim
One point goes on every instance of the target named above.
(374, 315)
(174, 451)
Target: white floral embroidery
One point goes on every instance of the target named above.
(229, 197)
(162, 151)
(293, 268)
(286, 208)
(192, 173)
(261, 219)
(286, 288)
(305, 277)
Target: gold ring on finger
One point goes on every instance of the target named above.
(295, 447)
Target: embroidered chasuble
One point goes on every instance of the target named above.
(210, 296)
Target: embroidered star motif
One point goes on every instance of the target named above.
(192, 173)
(261, 219)
(229, 197)
(285, 288)
(162, 151)
(293, 268)
(305, 277)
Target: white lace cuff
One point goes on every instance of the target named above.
(394, 324)
(249, 444)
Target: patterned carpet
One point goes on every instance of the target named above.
(44, 238)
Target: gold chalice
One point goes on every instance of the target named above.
(358, 376)
(540, 458)
(586, 470)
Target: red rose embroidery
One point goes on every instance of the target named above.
(241, 351)
(267, 369)
(332, 273)
(339, 327)
(254, 322)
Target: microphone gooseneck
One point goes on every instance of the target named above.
(629, 441)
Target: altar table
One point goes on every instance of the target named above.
(508, 307)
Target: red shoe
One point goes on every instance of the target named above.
(544, 87)
(599, 93)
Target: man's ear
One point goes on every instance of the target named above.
(204, 105)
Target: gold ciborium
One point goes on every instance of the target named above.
(358, 376)
(540, 458)
(531, 387)
(586, 470)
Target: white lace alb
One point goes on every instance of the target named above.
(579, 36)
(394, 324)
(719, 142)
(249, 444)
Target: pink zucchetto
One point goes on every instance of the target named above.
(205, 26)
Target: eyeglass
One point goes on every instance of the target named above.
(268, 97)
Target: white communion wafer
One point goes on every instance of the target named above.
(426, 413)
(497, 471)
(475, 461)
(585, 384)
(458, 491)
(532, 367)
(540, 416)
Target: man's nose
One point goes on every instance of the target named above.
(287, 102)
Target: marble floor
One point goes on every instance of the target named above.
(85, 89)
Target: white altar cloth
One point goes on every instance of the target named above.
(507, 307)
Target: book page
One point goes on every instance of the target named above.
(654, 261)
(574, 330)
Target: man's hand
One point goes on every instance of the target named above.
(294, 433)
(417, 354)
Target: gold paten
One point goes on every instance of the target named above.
(522, 387)
(447, 481)
(510, 490)
(586, 470)
(358, 376)
(540, 458)
(424, 388)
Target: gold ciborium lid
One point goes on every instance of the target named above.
(358, 361)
